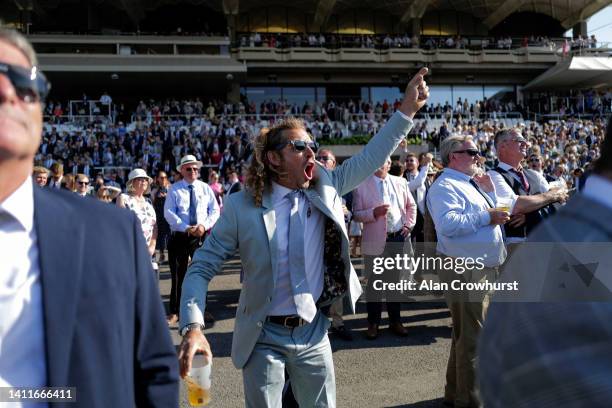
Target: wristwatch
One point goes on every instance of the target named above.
(191, 326)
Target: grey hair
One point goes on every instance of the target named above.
(502, 136)
(451, 144)
(19, 41)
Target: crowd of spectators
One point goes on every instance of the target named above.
(220, 135)
(386, 41)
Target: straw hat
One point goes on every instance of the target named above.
(188, 159)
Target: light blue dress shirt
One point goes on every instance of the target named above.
(176, 208)
(459, 212)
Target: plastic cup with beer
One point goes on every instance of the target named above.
(198, 381)
(504, 204)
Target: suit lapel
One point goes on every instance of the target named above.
(269, 218)
(61, 247)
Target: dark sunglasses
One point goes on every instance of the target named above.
(31, 85)
(83, 183)
(471, 152)
(192, 169)
(299, 145)
(324, 158)
(534, 160)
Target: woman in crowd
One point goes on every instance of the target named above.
(137, 185)
(213, 182)
(158, 195)
(69, 182)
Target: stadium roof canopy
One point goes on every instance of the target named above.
(491, 12)
(575, 73)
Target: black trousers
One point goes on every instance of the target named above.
(374, 297)
(180, 248)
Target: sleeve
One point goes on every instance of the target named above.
(419, 181)
(410, 208)
(353, 171)
(175, 222)
(212, 208)
(360, 212)
(155, 363)
(447, 207)
(207, 261)
(502, 189)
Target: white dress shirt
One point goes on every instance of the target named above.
(22, 332)
(394, 215)
(462, 221)
(176, 207)
(314, 230)
(416, 184)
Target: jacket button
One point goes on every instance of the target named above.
(259, 324)
(269, 299)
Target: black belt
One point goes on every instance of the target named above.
(394, 234)
(290, 321)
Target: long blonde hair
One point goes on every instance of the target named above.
(261, 171)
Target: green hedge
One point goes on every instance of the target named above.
(361, 140)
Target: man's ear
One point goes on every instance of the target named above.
(273, 158)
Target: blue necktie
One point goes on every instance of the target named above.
(193, 215)
(302, 297)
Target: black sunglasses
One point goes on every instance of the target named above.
(534, 160)
(471, 152)
(299, 145)
(192, 169)
(31, 85)
(324, 158)
(83, 183)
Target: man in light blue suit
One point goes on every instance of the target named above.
(289, 226)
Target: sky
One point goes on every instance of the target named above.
(600, 24)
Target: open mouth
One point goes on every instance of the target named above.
(308, 171)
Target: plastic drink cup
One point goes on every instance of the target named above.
(198, 381)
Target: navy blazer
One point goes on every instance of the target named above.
(105, 330)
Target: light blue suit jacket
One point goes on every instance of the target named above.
(253, 230)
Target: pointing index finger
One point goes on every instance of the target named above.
(419, 76)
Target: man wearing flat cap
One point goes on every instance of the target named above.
(191, 210)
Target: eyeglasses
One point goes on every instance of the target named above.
(471, 152)
(83, 183)
(325, 158)
(534, 160)
(31, 85)
(192, 169)
(519, 140)
(299, 145)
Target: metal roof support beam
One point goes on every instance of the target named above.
(508, 7)
(416, 10)
(590, 9)
(324, 10)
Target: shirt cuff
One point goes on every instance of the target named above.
(403, 115)
(485, 218)
(191, 313)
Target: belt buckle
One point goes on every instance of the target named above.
(285, 321)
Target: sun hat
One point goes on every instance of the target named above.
(188, 159)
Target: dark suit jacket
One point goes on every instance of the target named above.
(553, 353)
(104, 322)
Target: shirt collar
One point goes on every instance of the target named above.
(456, 174)
(20, 204)
(599, 189)
(507, 167)
(279, 192)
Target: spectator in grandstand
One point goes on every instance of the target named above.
(158, 194)
(191, 210)
(139, 184)
(71, 317)
(81, 185)
(279, 179)
(233, 184)
(68, 182)
(216, 186)
(462, 206)
(40, 175)
(57, 174)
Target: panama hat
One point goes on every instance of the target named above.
(188, 159)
